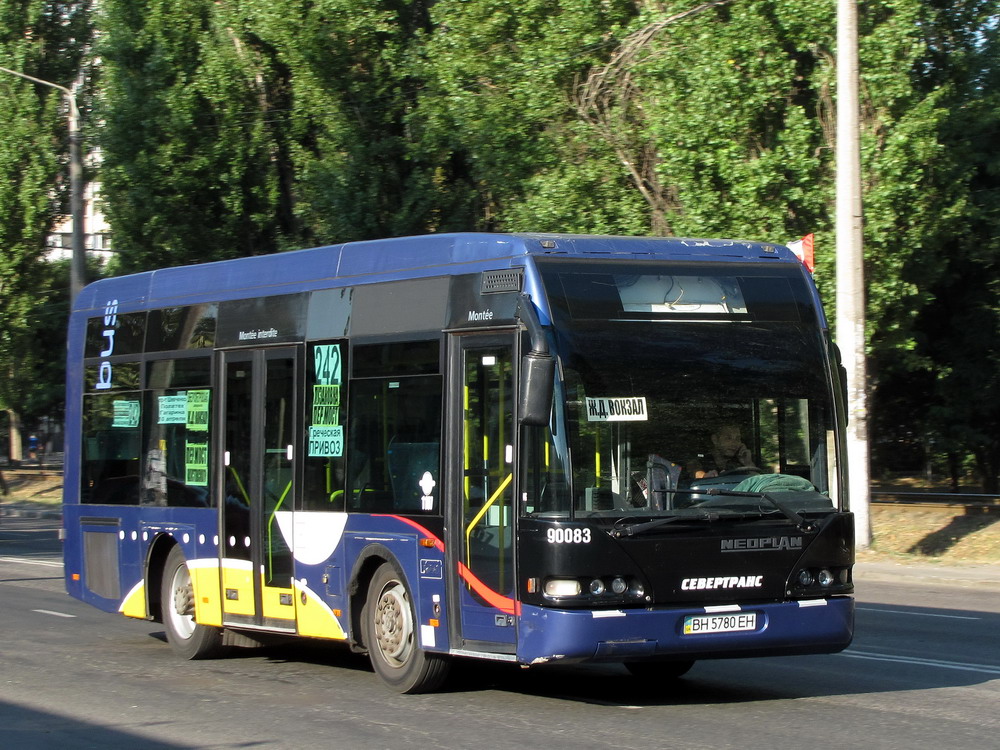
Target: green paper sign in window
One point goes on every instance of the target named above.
(326, 442)
(197, 410)
(196, 464)
(173, 409)
(326, 405)
(327, 363)
(126, 414)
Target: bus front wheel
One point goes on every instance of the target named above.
(391, 637)
(186, 637)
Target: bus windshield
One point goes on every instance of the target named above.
(671, 411)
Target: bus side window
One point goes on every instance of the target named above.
(176, 433)
(110, 471)
(393, 445)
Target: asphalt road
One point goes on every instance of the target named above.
(923, 672)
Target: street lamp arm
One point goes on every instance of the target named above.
(37, 80)
(74, 112)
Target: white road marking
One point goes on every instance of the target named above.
(916, 614)
(30, 561)
(917, 661)
(50, 612)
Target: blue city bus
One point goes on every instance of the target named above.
(528, 448)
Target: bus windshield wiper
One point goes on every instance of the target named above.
(642, 528)
(786, 510)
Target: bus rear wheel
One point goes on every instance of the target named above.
(391, 637)
(186, 637)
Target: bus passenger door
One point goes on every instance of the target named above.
(482, 488)
(257, 472)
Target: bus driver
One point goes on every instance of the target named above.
(729, 453)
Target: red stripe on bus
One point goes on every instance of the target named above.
(438, 544)
(501, 602)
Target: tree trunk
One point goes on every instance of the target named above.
(14, 423)
(988, 464)
(954, 470)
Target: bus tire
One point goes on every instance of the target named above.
(391, 636)
(186, 637)
(659, 670)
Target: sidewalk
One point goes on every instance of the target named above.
(972, 575)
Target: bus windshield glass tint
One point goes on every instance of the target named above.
(676, 408)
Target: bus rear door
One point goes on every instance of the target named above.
(258, 462)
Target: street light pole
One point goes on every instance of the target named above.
(78, 265)
(850, 266)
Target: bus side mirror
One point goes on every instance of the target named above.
(537, 385)
(841, 377)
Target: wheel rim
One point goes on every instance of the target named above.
(393, 625)
(181, 607)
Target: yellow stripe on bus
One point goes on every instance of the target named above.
(205, 582)
(314, 617)
(134, 603)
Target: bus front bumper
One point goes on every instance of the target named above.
(817, 626)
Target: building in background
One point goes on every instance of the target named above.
(96, 232)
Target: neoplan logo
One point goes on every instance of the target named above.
(762, 544)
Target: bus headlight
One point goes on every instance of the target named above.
(823, 581)
(562, 587)
(599, 589)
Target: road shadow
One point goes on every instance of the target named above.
(283, 649)
(878, 661)
(29, 729)
(972, 520)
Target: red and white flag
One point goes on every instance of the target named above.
(803, 249)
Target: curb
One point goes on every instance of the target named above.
(20, 511)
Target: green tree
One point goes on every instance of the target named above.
(258, 126)
(254, 126)
(350, 91)
(717, 118)
(48, 41)
(951, 368)
(496, 118)
(186, 173)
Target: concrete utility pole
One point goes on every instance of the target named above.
(850, 265)
(78, 263)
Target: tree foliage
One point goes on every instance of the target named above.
(253, 126)
(46, 40)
